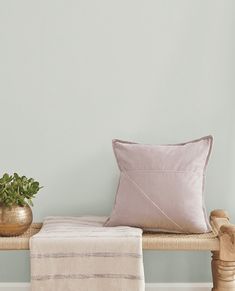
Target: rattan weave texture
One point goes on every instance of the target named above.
(151, 241)
(19, 242)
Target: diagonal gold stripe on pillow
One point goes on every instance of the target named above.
(150, 200)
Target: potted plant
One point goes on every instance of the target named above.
(16, 194)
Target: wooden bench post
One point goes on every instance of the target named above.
(223, 261)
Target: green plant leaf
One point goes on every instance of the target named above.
(17, 189)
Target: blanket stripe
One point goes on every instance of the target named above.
(87, 276)
(73, 254)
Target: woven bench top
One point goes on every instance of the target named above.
(151, 241)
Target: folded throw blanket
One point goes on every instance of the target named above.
(79, 254)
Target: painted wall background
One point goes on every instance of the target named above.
(75, 74)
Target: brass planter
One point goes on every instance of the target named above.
(15, 220)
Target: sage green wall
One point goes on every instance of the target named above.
(76, 73)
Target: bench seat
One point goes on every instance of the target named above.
(221, 242)
(151, 241)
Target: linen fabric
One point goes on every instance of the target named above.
(79, 254)
(161, 186)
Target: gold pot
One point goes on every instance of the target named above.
(15, 219)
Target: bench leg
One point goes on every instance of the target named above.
(223, 273)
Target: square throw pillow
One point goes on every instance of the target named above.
(161, 186)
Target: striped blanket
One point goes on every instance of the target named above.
(79, 254)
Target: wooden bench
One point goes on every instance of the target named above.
(221, 242)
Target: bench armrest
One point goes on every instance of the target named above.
(221, 225)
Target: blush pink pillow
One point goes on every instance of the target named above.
(161, 186)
